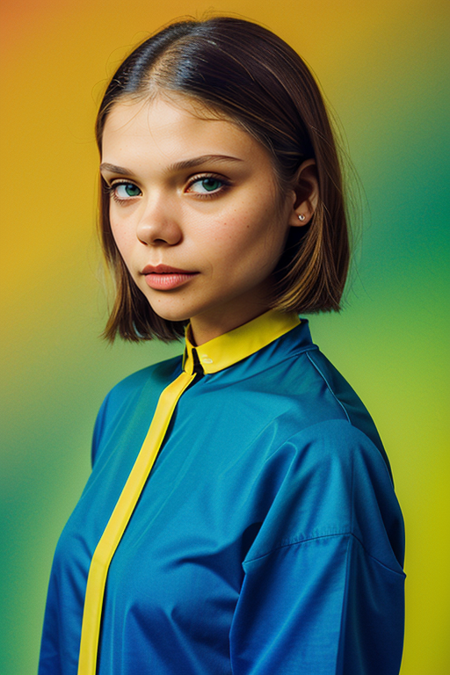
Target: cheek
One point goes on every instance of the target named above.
(123, 241)
(117, 234)
(245, 245)
(259, 231)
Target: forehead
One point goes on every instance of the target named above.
(175, 130)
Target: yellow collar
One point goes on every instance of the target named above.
(226, 350)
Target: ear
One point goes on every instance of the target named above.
(305, 194)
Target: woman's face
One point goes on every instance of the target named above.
(195, 212)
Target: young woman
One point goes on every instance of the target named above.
(240, 517)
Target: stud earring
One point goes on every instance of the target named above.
(301, 217)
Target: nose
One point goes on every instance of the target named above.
(159, 223)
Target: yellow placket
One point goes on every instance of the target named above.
(115, 528)
(215, 355)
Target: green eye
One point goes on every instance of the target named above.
(207, 185)
(211, 184)
(124, 191)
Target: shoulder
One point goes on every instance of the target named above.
(343, 394)
(153, 378)
(303, 390)
(156, 375)
(328, 395)
(141, 389)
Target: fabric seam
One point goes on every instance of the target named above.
(326, 536)
(329, 387)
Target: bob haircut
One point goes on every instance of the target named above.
(245, 74)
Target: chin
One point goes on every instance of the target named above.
(170, 314)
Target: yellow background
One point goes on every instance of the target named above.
(383, 67)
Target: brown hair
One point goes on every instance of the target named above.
(244, 72)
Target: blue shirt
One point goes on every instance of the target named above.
(267, 539)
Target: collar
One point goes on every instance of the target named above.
(236, 345)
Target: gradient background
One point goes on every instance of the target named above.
(382, 65)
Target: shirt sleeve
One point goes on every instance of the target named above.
(327, 598)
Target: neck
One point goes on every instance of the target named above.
(204, 329)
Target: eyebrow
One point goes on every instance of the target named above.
(177, 166)
(115, 169)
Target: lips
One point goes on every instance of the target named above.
(164, 269)
(166, 278)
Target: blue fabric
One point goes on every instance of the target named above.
(267, 540)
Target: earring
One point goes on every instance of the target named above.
(301, 217)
